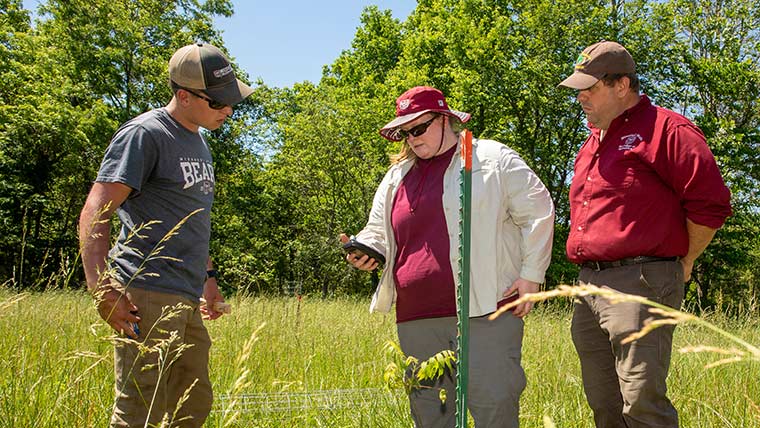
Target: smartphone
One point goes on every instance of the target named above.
(135, 326)
(359, 249)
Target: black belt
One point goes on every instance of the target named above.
(626, 262)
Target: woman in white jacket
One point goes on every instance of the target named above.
(414, 224)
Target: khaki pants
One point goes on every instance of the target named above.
(496, 378)
(626, 384)
(136, 383)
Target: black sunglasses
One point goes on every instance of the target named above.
(214, 105)
(417, 130)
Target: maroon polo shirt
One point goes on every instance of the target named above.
(422, 270)
(632, 192)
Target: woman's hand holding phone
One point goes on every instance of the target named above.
(356, 257)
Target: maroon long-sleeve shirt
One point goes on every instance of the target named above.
(632, 192)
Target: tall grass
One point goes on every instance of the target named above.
(56, 367)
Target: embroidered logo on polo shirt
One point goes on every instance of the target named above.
(630, 141)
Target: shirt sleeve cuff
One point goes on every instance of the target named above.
(714, 222)
(531, 274)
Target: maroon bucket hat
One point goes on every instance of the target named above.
(414, 103)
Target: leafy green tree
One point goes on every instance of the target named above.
(43, 136)
(119, 50)
(713, 78)
(297, 166)
(327, 160)
(251, 214)
(500, 60)
(330, 161)
(67, 83)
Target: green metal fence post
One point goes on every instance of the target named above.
(463, 288)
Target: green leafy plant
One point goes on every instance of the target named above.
(408, 373)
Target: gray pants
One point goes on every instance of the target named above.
(626, 384)
(496, 378)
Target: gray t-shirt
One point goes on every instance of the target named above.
(170, 171)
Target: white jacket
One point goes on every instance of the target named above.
(511, 232)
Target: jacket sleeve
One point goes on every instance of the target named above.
(373, 233)
(531, 208)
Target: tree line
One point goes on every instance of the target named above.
(296, 166)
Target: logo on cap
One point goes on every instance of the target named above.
(583, 56)
(404, 104)
(223, 72)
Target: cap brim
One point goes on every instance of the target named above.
(391, 130)
(231, 93)
(579, 81)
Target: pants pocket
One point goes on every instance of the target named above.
(663, 282)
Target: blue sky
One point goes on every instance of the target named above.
(289, 41)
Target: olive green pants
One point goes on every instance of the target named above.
(626, 384)
(147, 388)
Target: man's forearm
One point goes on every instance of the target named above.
(94, 236)
(699, 238)
(95, 228)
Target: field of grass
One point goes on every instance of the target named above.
(320, 363)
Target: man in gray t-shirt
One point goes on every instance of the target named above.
(157, 175)
(168, 169)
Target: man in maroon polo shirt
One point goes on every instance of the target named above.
(645, 201)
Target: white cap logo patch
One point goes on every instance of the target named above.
(404, 104)
(223, 72)
(440, 103)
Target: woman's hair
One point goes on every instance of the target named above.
(406, 151)
(403, 154)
